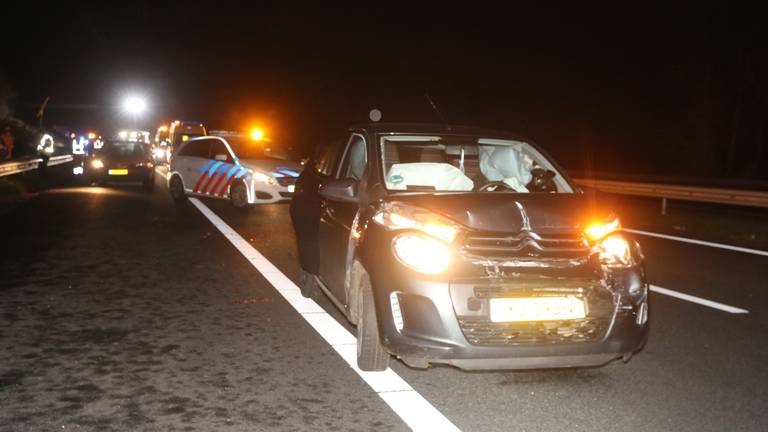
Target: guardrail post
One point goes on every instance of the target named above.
(663, 206)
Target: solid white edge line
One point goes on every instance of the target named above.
(699, 242)
(407, 403)
(701, 301)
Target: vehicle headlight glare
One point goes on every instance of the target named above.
(264, 178)
(421, 253)
(97, 163)
(615, 252)
(599, 230)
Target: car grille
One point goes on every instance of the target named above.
(484, 332)
(286, 181)
(526, 244)
(286, 194)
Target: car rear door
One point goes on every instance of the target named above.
(336, 218)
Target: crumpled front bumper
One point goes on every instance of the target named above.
(435, 314)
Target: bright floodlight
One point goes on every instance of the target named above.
(135, 105)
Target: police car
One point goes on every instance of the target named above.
(235, 168)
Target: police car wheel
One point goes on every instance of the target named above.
(370, 352)
(238, 195)
(177, 189)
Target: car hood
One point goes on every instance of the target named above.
(274, 167)
(507, 212)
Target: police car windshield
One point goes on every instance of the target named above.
(246, 148)
(181, 137)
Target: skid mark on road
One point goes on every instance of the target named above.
(699, 242)
(698, 300)
(412, 408)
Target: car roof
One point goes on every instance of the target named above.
(434, 128)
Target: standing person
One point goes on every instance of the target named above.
(6, 147)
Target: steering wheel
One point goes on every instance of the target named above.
(496, 184)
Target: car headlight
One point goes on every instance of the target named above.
(259, 177)
(396, 216)
(421, 253)
(97, 163)
(615, 251)
(597, 231)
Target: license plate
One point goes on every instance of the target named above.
(118, 172)
(291, 188)
(536, 309)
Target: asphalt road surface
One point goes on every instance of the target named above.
(120, 310)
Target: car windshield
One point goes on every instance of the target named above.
(247, 148)
(123, 150)
(464, 164)
(179, 137)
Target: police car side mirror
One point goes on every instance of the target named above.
(344, 190)
(220, 157)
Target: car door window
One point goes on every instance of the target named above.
(218, 148)
(328, 157)
(197, 148)
(354, 159)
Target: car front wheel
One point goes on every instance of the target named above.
(238, 195)
(370, 353)
(149, 183)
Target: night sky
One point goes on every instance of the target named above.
(674, 91)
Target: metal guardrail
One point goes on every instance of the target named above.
(18, 166)
(58, 160)
(21, 165)
(687, 193)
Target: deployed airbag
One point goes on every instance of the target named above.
(441, 176)
(505, 163)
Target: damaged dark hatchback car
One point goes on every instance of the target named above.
(466, 247)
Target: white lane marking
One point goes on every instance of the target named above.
(699, 242)
(699, 300)
(408, 404)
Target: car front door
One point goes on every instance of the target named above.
(336, 218)
(189, 162)
(306, 202)
(222, 170)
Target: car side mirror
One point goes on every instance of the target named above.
(220, 157)
(344, 190)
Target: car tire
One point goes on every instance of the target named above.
(176, 187)
(149, 183)
(371, 356)
(308, 285)
(238, 195)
